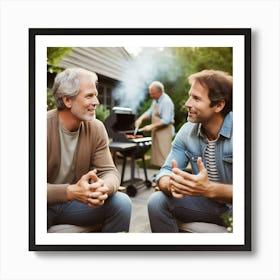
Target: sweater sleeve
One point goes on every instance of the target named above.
(56, 193)
(102, 161)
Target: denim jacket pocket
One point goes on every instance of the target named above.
(227, 169)
(227, 159)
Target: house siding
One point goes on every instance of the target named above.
(108, 63)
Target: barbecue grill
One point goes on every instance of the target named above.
(129, 143)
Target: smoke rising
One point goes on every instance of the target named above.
(150, 65)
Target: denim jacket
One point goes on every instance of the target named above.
(190, 143)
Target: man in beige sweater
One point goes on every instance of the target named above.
(82, 180)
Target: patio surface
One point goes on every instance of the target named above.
(139, 216)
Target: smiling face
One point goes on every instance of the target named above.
(198, 104)
(84, 104)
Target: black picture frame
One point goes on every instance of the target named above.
(243, 34)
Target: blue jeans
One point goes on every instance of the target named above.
(164, 211)
(114, 215)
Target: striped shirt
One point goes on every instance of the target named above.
(211, 166)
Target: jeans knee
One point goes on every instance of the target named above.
(126, 202)
(156, 203)
(122, 202)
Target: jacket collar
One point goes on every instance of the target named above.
(226, 129)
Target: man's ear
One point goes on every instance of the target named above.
(220, 106)
(67, 101)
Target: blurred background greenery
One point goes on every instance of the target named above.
(187, 59)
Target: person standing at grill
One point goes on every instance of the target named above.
(82, 180)
(205, 142)
(161, 113)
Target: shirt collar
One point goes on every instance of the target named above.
(160, 99)
(226, 128)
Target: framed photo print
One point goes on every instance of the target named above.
(91, 95)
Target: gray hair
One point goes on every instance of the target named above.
(67, 83)
(158, 85)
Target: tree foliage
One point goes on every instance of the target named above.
(54, 55)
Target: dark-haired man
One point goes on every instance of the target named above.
(204, 142)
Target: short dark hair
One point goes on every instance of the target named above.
(219, 85)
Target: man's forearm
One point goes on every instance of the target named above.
(143, 117)
(221, 192)
(158, 124)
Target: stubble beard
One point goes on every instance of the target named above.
(82, 115)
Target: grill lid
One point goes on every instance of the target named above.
(122, 110)
(120, 126)
(118, 122)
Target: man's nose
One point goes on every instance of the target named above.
(95, 101)
(188, 103)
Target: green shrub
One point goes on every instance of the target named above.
(227, 218)
(50, 100)
(101, 113)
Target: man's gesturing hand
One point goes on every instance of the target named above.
(183, 183)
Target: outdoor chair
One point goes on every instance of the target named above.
(199, 227)
(64, 228)
(194, 227)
